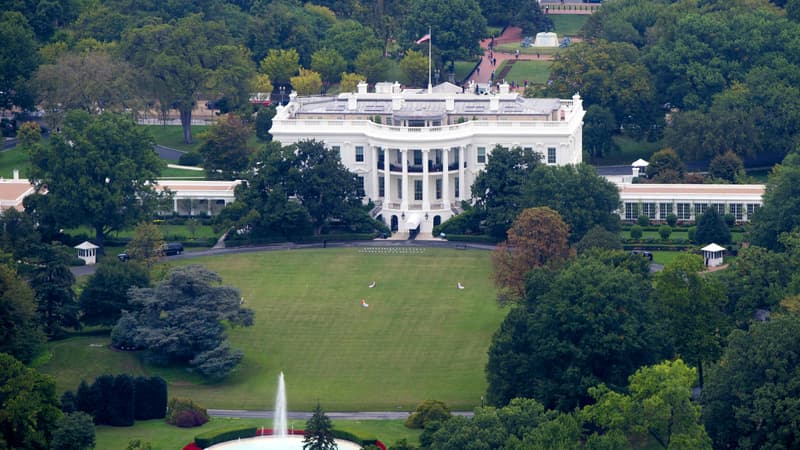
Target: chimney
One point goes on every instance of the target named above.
(494, 103)
(397, 102)
(352, 102)
(362, 87)
(16, 174)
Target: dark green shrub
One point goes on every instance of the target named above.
(636, 232)
(190, 159)
(151, 398)
(672, 220)
(209, 438)
(184, 413)
(474, 238)
(730, 220)
(643, 221)
(358, 438)
(692, 232)
(428, 411)
(664, 231)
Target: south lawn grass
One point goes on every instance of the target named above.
(533, 71)
(172, 136)
(629, 151)
(568, 24)
(167, 437)
(420, 338)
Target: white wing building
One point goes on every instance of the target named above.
(418, 153)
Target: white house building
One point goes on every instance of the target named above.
(418, 153)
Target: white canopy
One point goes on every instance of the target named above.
(713, 248)
(640, 163)
(413, 221)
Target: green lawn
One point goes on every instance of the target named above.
(568, 24)
(172, 136)
(533, 71)
(183, 174)
(737, 236)
(12, 159)
(421, 337)
(511, 47)
(462, 69)
(170, 232)
(630, 151)
(167, 437)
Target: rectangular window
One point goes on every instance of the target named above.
(684, 211)
(631, 211)
(359, 153)
(665, 209)
(751, 209)
(361, 192)
(417, 189)
(400, 188)
(720, 207)
(481, 155)
(380, 154)
(737, 210)
(700, 209)
(438, 188)
(649, 210)
(417, 157)
(551, 155)
(381, 187)
(454, 156)
(458, 194)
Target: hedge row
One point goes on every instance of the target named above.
(238, 241)
(209, 438)
(475, 238)
(360, 439)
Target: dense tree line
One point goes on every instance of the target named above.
(118, 400)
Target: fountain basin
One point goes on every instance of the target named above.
(275, 443)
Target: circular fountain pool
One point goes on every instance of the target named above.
(275, 443)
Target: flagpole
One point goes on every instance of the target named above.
(430, 86)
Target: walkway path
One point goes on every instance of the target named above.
(296, 415)
(484, 72)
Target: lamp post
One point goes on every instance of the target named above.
(437, 76)
(282, 89)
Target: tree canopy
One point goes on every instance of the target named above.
(105, 295)
(780, 212)
(456, 26)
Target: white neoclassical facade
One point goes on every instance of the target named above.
(417, 152)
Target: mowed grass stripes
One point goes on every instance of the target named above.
(420, 338)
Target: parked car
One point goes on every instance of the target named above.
(173, 248)
(123, 256)
(644, 253)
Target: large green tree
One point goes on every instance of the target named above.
(105, 295)
(182, 319)
(225, 152)
(29, 405)
(349, 38)
(188, 57)
(74, 431)
(456, 26)
(780, 212)
(52, 282)
(591, 323)
(711, 227)
(18, 60)
(20, 332)
(100, 171)
(751, 398)
(318, 433)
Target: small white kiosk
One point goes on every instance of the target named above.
(87, 252)
(712, 255)
(639, 167)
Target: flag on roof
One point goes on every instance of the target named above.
(427, 37)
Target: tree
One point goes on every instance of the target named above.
(307, 82)
(29, 403)
(657, 410)
(280, 65)
(498, 189)
(756, 279)
(105, 295)
(591, 323)
(118, 169)
(666, 167)
(18, 60)
(226, 153)
(780, 212)
(263, 122)
(456, 26)
(711, 227)
(74, 431)
(538, 237)
(318, 432)
(329, 64)
(20, 333)
(750, 397)
(186, 57)
(147, 244)
(350, 38)
(150, 398)
(52, 283)
(372, 64)
(692, 309)
(727, 166)
(415, 68)
(91, 81)
(350, 81)
(598, 130)
(426, 412)
(182, 317)
(598, 237)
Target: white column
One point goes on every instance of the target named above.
(426, 196)
(374, 175)
(175, 205)
(404, 162)
(462, 159)
(208, 204)
(445, 178)
(387, 178)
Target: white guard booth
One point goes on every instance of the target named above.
(87, 252)
(712, 255)
(639, 167)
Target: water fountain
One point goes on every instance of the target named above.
(280, 438)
